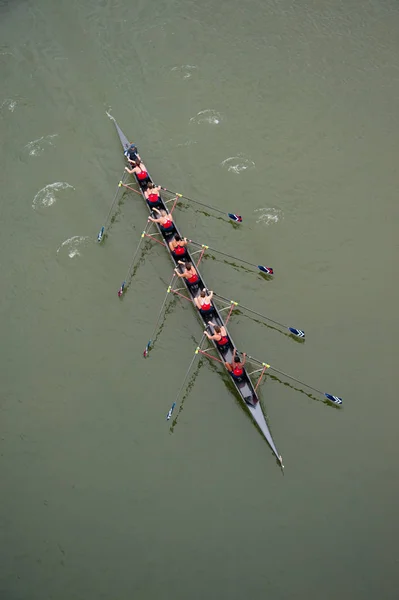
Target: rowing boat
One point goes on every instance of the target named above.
(245, 387)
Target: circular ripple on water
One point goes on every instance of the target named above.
(8, 104)
(208, 116)
(47, 195)
(72, 246)
(184, 71)
(37, 147)
(238, 164)
(268, 216)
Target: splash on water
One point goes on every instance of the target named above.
(73, 245)
(8, 104)
(268, 216)
(37, 147)
(47, 195)
(210, 116)
(185, 71)
(238, 164)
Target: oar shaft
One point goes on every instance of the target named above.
(195, 201)
(189, 369)
(163, 306)
(136, 252)
(223, 253)
(114, 200)
(254, 312)
(286, 375)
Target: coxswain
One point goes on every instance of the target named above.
(152, 195)
(139, 169)
(204, 302)
(220, 335)
(165, 220)
(178, 246)
(132, 154)
(236, 367)
(189, 273)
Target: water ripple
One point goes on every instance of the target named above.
(46, 196)
(269, 216)
(73, 244)
(185, 71)
(37, 147)
(238, 164)
(210, 116)
(9, 104)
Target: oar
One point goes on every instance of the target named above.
(197, 350)
(335, 399)
(148, 346)
(267, 270)
(102, 230)
(126, 280)
(232, 216)
(293, 330)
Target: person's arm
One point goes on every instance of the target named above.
(234, 353)
(178, 273)
(156, 210)
(210, 296)
(129, 170)
(154, 220)
(244, 355)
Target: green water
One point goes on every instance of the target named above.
(287, 114)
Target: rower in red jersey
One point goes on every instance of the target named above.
(178, 246)
(189, 273)
(204, 302)
(220, 336)
(236, 367)
(152, 195)
(139, 169)
(165, 221)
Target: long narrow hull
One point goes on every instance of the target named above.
(244, 387)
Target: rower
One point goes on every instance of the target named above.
(152, 195)
(132, 154)
(177, 247)
(165, 221)
(139, 169)
(189, 273)
(236, 367)
(204, 303)
(220, 336)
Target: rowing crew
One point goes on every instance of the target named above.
(177, 246)
(236, 366)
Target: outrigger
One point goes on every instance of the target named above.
(245, 387)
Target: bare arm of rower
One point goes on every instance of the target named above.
(178, 273)
(155, 220)
(129, 170)
(215, 336)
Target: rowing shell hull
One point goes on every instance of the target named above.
(244, 388)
